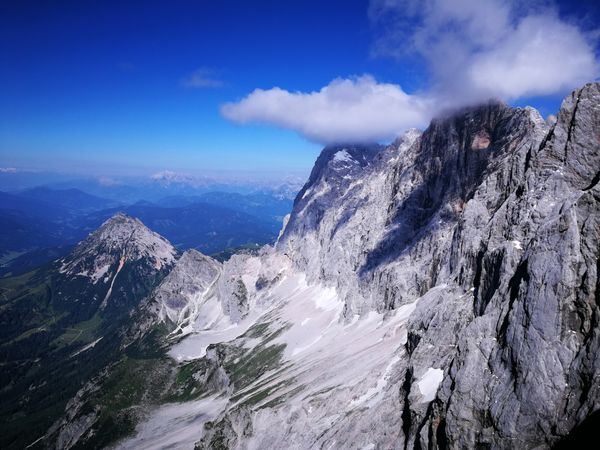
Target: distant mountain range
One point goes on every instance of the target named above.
(39, 224)
(162, 184)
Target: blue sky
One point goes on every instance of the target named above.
(136, 87)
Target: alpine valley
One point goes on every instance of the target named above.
(439, 292)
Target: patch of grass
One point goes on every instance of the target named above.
(83, 332)
(254, 364)
(130, 381)
(260, 394)
(128, 384)
(188, 383)
(16, 289)
(322, 391)
(110, 430)
(16, 282)
(257, 330)
(152, 345)
(282, 398)
(9, 256)
(26, 334)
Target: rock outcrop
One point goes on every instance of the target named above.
(179, 295)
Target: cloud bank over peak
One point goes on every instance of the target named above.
(350, 109)
(473, 51)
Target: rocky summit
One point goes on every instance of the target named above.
(439, 292)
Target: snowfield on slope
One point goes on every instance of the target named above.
(174, 426)
(332, 368)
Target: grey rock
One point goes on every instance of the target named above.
(504, 211)
(176, 298)
(525, 371)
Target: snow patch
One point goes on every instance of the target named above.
(429, 383)
(112, 283)
(99, 273)
(343, 156)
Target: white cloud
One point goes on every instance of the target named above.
(354, 109)
(202, 78)
(541, 56)
(8, 170)
(473, 51)
(488, 48)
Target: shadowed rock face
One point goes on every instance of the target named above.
(174, 299)
(528, 364)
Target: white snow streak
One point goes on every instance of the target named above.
(87, 347)
(174, 426)
(429, 383)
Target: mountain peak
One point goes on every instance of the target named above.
(123, 230)
(336, 165)
(120, 220)
(120, 239)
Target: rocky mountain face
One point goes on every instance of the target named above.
(499, 211)
(180, 293)
(439, 292)
(63, 323)
(122, 254)
(385, 241)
